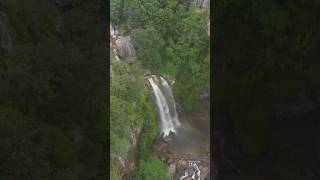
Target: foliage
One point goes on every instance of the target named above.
(169, 38)
(127, 101)
(152, 168)
(115, 11)
(192, 49)
(149, 45)
(149, 166)
(172, 39)
(130, 106)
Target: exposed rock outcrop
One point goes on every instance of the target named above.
(208, 26)
(202, 4)
(182, 165)
(169, 78)
(134, 135)
(203, 95)
(111, 72)
(204, 172)
(125, 49)
(172, 170)
(125, 168)
(126, 165)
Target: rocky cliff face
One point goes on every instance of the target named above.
(125, 49)
(202, 4)
(126, 165)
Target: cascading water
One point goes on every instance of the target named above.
(166, 107)
(171, 101)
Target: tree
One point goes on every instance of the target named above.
(191, 49)
(152, 168)
(115, 11)
(149, 45)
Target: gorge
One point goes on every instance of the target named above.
(160, 82)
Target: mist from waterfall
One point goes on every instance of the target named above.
(166, 106)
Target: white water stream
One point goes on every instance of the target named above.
(165, 102)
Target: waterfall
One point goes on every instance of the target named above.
(166, 107)
(171, 100)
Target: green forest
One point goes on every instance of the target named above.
(53, 102)
(170, 38)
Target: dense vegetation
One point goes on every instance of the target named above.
(265, 55)
(131, 108)
(53, 91)
(170, 38)
(149, 167)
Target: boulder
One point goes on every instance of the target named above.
(159, 147)
(204, 172)
(125, 168)
(182, 165)
(203, 95)
(147, 72)
(172, 170)
(202, 4)
(134, 135)
(113, 31)
(123, 162)
(125, 49)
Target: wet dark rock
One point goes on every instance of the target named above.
(160, 147)
(5, 37)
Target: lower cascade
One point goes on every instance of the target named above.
(169, 121)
